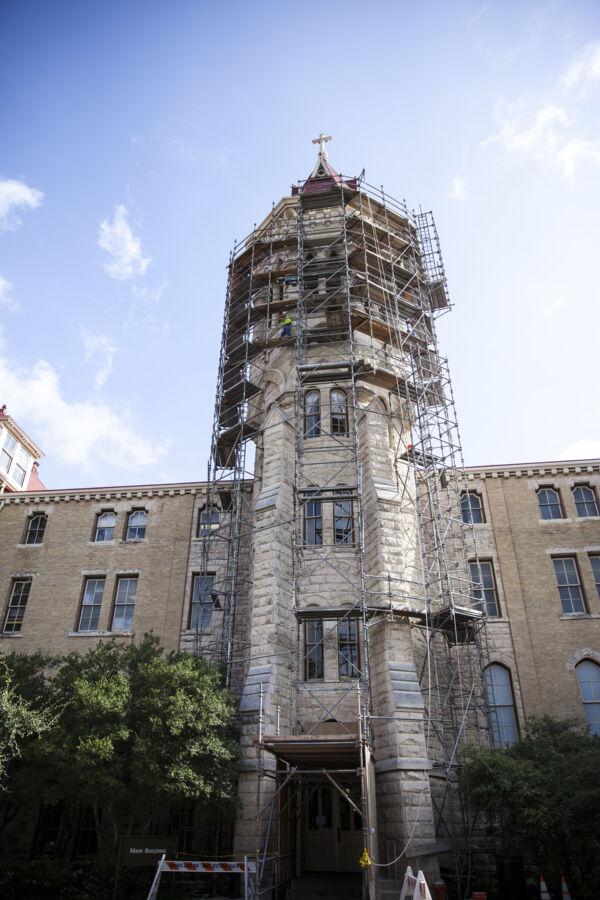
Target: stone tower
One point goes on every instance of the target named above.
(352, 626)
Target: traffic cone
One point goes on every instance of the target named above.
(544, 893)
(564, 889)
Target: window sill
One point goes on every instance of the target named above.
(26, 546)
(84, 634)
(565, 521)
(102, 543)
(569, 616)
(11, 634)
(191, 633)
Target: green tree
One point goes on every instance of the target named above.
(20, 718)
(541, 800)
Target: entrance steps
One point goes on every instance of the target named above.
(327, 886)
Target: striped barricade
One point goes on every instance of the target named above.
(215, 868)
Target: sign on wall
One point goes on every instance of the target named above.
(146, 849)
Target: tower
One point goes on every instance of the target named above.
(354, 640)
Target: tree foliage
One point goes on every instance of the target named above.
(541, 800)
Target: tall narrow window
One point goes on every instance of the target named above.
(46, 834)
(312, 414)
(339, 412)
(208, 520)
(313, 519)
(588, 673)
(483, 586)
(549, 504)
(347, 648)
(314, 666)
(586, 501)
(202, 605)
(91, 604)
(569, 584)
(471, 509)
(136, 525)
(8, 452)
(36, 528)
(105, 527)
(501, 706)
(343, 529)
(19, 595)
(595, 563)
(122, 619)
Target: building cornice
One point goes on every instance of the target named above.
(535, 469)
(122, 492)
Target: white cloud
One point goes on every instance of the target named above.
(553, 308)
(100, 349)
(7, 300)
(459, 189)
(584, 449)
(583, 71)
(78, 433)
(14, 196)
(122, 246)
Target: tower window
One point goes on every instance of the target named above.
(339, 412)
(91, 604)
(36, 528)
(313, 519)
(312, 414)
(314, 659)
(343, 527)
(471, 508)
(136, 525)
(569, 584)
(202, 605)
(105, 527)
(122, 618)
(348, 648)
(15, 613)
(501, 706)
(588, 673)
(549, 504)
(483, 586)
(586, 501)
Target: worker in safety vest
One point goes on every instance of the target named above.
(286, 325)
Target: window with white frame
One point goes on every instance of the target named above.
(501, 706)
(91, 603)
(312, 414)
(136, 525)
(471, 508)
(338, 412)
(36, 526)
(17, 603)
(549, 503)
(122, 618)
(105, 527)
(203, 602)
(483, 586)
(586, 502)
(8, 452)
(588, 674)
(569, 584)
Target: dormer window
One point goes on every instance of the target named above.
(105, 527)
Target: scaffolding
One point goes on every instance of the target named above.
(362, 279)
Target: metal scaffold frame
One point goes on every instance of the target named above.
(366, 283)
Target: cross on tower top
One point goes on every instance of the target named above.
(321, 141)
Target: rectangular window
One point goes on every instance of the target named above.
(8, 451)
(313, 521)
(122, 619)
(348, 648)
(202, 606)
(595, 562)
(19, 595)
(483, 586)
(91, 604)
(343, 530)
(569, 584)
(315, 666)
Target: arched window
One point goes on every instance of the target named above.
(588, 673)
(501, 706)
(136, 525)
(105, 527)
(471, 508)
(339, 412)
(312, 414)
(549, 503)
(586, 501)
(36, 528)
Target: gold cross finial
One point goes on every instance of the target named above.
(321, 141)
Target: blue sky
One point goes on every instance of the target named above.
(140, 138)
